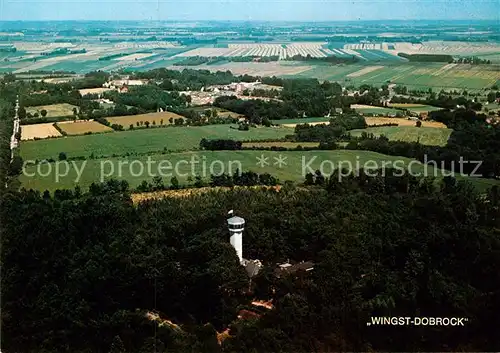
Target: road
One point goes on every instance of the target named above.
(14, 142)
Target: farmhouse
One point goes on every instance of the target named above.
(103, 101)
(200, 98)
(239, 87)
(38, 92)
(127, 82)
(98, 91)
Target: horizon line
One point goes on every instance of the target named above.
(254, 20)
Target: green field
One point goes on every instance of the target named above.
(301, 121)
(181, 165)
(77, 66)
(426, 135)
(412, 75)
(285, 144)
(143, 140)
(417, 108)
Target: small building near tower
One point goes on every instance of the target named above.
(288, 268)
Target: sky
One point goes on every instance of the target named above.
(256, 10)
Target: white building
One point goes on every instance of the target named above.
(236, 226)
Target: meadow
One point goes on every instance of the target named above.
(161, 118)
(203, 163)
(144, 140)
(425, 135)
(53, 110)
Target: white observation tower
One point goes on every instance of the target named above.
(236, 226)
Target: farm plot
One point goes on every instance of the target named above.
(415, 76)
(82, 127)
(423, 75)
(179, 138)
(284, 144)
(364, 71)
(379, 55)
(46, 62)
(133, 57)
(252, 68)
(329, 72)
(205, 52)
(417, 108)
(402, 122)
(304, 49)
(364, 46)
(312, 124)
(370, 109)
(53, 110)
(301, 121)
(425, 135)
(78, 66)
(162, 118)
(99, 90)
(155, 63)
(230, 161)
(38, 131)
(283, 51)
(447, 47)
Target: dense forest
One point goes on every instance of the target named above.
(81, 271)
